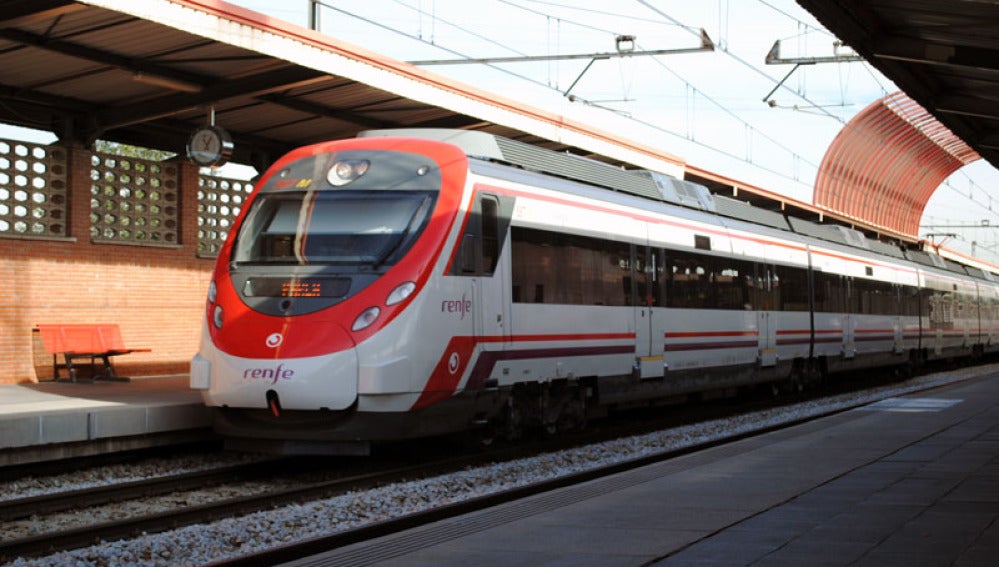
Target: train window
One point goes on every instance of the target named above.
(479, 251)
(656, 273)
(731, 283)
(765, 287)
(875, 297)
(830, 292)
(699, 281)
(851, 302)
(794, 288)
(346, 227)
(467, 260)
(689, 281)
(702, 242)
(490, 233)
(910, 300)
(551, 267)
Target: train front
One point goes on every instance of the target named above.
(329, 256)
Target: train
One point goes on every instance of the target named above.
(413, 283)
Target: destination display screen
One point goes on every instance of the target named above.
(296, 287)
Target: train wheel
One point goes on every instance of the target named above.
(573, 416)
(484, 437)
(480, 437)
(815, 372)
(798, 380)
(903, 371)
(565, 408)
(512, 425)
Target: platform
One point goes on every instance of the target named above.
(910, 481)
(51, 420)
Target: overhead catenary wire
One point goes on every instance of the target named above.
(748, 127)
(435, 45)
(532, 7)
(885, 91)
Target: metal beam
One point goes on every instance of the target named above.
(308, 107)
(33, 109)
(967, 106)
(773, 58)
(915, 51)
(40, 99)
(15, 12)
(253, 85)
(80, 51)
(990, 140)
(706, 45)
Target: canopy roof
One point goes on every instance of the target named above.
(943, 53)
(885, 164)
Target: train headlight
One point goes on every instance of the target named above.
(217, 316)
(345, 171)
(401, 293)
(366, 318)
(212, 292)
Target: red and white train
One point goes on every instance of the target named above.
(420, 282)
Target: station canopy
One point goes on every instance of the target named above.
(150, 72)
(885, 164)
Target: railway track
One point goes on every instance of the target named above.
(51, 503)
(37, 507)
(156, 522)
(80, 500)
(344, 481)
(299, 550)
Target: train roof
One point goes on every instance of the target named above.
(660, 187)
(533, 158)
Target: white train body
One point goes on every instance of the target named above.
(425, 287)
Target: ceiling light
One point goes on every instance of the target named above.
(160, 81)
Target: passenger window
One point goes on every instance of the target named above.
(490, 234)
(466, 255)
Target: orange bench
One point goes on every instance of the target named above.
(76, 342)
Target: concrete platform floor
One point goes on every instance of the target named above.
(51, 420)
(907, 482)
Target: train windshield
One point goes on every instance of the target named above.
(332, 227)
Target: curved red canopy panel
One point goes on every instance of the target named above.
(885, 164)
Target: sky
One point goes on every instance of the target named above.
(720, 110)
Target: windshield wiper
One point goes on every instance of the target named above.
(403, 236)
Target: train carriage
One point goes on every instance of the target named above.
(413, 283)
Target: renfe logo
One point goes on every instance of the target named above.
(462, 306)
(272, 374)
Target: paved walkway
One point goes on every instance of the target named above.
(907, 482)
(65, 419)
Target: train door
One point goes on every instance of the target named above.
(487, 300)
(650, 312)
(898, 319)
(851, 314)
(767, 302)
(492, 287)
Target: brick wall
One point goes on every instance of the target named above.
(155, 293)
